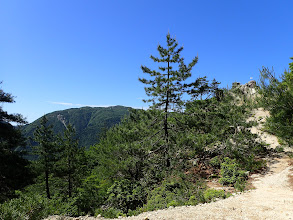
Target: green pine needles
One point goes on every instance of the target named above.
(166, 86)
(277, 97)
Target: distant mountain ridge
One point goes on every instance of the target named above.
(89, 122)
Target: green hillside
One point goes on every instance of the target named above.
(89, 122)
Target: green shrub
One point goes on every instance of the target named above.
(136, 212)
(173, 192)
(92, 194)
(215, 162)
(250, 163)
(196, 198)
(279, 149)
(35, 206)
(231, 172)
(125, 195)
(193, 200)
(281, 141)
(240, 185)
(110, 212)
(9, 211)
(164, 195)
(211, 195)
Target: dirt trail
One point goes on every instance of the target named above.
(272, 197)
(260, 115)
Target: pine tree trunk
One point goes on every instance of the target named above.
(69, 179)
(166, 118)
(47, 183)
(69, 185)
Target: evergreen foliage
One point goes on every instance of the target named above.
(277, 97)
(172, 192)
(209, 129)
(125, 195)
(213, 194)
(231, 172)
(34, 206)
(46, 150)
(14, 172)
(126, 173)
(10, 136)
(70, 163)
(166, 88)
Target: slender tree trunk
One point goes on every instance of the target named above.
(166, 118)
(69, 179)
(167, 105)
(69, 185)
(47, 183)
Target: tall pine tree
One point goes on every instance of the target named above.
(167, 86)
(14, 173)
(70, 160)
(10, 137)
(45, 150)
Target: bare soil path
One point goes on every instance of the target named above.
(272, 197)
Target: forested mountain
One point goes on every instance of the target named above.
(89, 122)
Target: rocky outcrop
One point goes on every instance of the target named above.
(248, 89)
(245, 92)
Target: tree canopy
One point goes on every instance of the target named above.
(14, 173)
(277, 97)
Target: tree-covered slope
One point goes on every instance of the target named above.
(89, 122)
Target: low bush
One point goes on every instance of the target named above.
(35, 206)
(211, 195)
(92, 194)
(174, 192)
(126, 195)
(231, 173)
(215, 162)
(279, 149)
(110, 212)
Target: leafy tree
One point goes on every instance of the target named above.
(14, 173)
(45, 150)
(277, 97)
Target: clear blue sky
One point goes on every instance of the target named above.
(58, 54)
